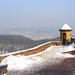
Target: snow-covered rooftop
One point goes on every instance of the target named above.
(65, 27)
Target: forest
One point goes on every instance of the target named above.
(11, 43)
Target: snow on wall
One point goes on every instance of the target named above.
(31, 51)
(28, 49)
(24, 65)
(66, 49)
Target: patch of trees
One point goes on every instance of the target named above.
(11, 43)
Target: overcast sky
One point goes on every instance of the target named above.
(36, 13)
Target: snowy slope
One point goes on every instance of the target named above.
(25, 65)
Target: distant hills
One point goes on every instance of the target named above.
(11, 43)
(18, 39)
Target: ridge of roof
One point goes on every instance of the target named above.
(65, 27)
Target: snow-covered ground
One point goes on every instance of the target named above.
(25, 65)
(69, 48)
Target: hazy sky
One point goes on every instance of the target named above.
(36, 13)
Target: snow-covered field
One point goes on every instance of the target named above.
(25, 65)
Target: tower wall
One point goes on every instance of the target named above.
(68, 35)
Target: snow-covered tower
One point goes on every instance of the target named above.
(65, 33)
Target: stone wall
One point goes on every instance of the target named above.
(3, 69)
(31, 51)
(72, 41)
(67, 33)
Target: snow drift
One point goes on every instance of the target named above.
(25, 65)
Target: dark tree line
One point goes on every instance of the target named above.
(11, 43)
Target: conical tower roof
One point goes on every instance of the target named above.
(65, 27)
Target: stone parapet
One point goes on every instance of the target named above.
(31, 51)
(3, 69)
